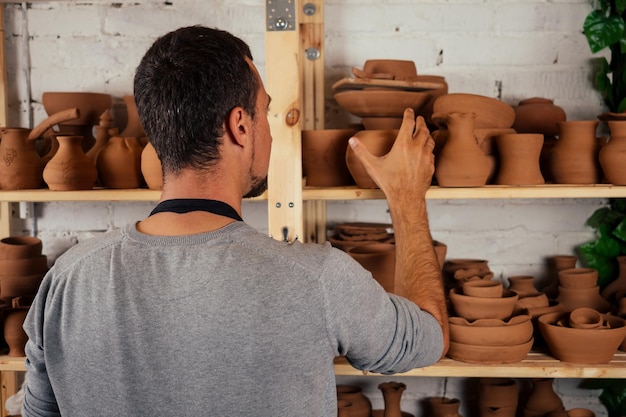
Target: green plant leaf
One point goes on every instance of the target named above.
(620, 6)
(604, 216)
(602, 31)
(618, 204)
(620, 231)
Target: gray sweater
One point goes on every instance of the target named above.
(226, 323)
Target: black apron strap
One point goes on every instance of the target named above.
(185, 205)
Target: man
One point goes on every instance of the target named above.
(191, 312)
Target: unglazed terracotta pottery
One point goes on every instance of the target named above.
(380, 260)
(573, 298)
(497, 397)
(25, 266)
(133, 125)
(483, 288)
(381, 123)
(586, 318)
(612, 156)
(440, 251)
(489, 354)
(376, 102)
(582, 346)
(379, 143)
(461, 162)
(491, 332)
(104, 131)
(458, 270)
(392, 397)
(26, 286)
(348, 235)
(538, 115)
(20, 247)
(343, 408)
(555, 264)
(474, 308)
(361, 405)
(399, 68)
(443, 406)
(617, 288)
(324, 157)
(574, 159)
(529, 302)
(151, 167)
(490, 112)
(542, 398)
(21, 166)
(519, 159)
(70, 169)
(119, 163)
(14, 334)
(578, 278)
(523, 285)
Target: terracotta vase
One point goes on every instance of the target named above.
(574, 159)
(119, 163)
(392, 397)
(344, 408)
(380, 260)
(324, 157)
(444, 406)
(523, 285)
(616, 289)
(578, 278)
(21, 166)
(497, 397)
(573, 298)
(555, 264)
(70, 169)
(461, 162)
(361, 405)
(104, 131)
(14, 334)
(519, 159)
(20, 247)
(612, 156)
(151, 167)
(538, 115)
(133, 125)
(379, 143)
(542, 398)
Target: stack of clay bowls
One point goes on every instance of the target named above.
(529, 297)
(483, 328)
(578, 287)
(384, 88)
(351, 234)
(457, 271)
(22, 267)
(582, 336)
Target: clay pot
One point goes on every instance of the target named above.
(582, 346)
(379, 143)
(381, 123)
(343, 408)
(491, 332)
(474, 308)
(490, 112)
(586, 318)
(554, 265)
(574, 159)
(612, 156)
(26, 286)
(103, 133)
(374, 102)
(392, 397)
(380, 260)
(457, 271)
(119, 163)
(90, 105)
(21, 166)
(573, 298)
(497, 397)
(578, 278)
(538, 115)
(483, 288)
(133, 125)
(616, 289)
(70, 169)
(361, 405)
(400, 69)
(523, 285)
(542, 399)
(443, 406)
(151, 167)
(324, 157)
(26, 266)
(14, 334)
(489, 354)
(461, 162)
(20, 247)
(529, 302)
(519, 159)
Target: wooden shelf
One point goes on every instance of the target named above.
(536, 365)
(12, 363)
(486, 192)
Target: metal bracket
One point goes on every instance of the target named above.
(280, 15)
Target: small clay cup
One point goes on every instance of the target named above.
(483, 288)
(585, 318)
(20, 247)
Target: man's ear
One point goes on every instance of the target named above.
(239, 126)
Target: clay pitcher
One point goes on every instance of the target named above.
(70, 169)
(612, 156)
(542, 399)
(21, 166)
(497, 396)
(519, 159)
(360, 404)
(574, 159)
(392, 396)
(461, 162)
(119, 163)
(151, 167)
(14, 334)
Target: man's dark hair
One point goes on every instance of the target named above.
(185, 87)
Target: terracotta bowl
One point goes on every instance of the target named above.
(582, 346)
(578, 278)
(346, 245)
(26, 266)
(380, 102)
(491, 332)
(489, 354)
(324, 157)
(474, 308)
(483, 288)
(585, 318)
(490, 112)
(12, 286)
(20, 247)
(91, 105)
(379, 143)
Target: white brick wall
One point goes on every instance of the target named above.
(533, 47)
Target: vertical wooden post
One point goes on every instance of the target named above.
(5, 207)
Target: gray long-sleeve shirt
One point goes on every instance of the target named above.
(225, 323)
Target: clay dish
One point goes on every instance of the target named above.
(582, 346)
(26, 266)
(381, 123)
(380, 102)
(20, 247)
(483, 288)
(491, 332)
(90, 105)
(474, 308)
(490, 112)
(400, 69)
(489, 354)
(578, 278)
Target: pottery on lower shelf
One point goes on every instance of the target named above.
(443, 406)
(392, 397)
(555, 264)
(497, 397)
(542, 399)
(573, 298)
(361, 406)
(483, 288)
(14, 334)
